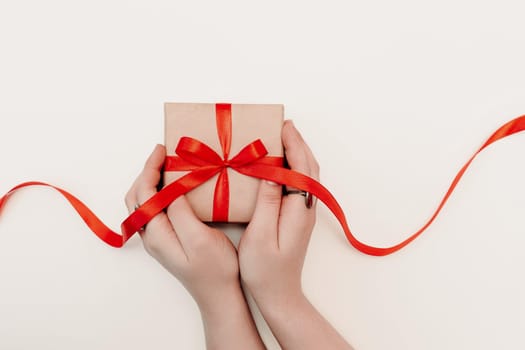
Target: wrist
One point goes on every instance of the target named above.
(280, 305)
(297, 324)
(221, 301)
(227, 321)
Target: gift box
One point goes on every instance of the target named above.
(227, 129)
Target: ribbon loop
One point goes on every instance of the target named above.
(198, 153)
(250, 153)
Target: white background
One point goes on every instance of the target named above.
(393, 98)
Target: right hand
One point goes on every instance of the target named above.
(272, 253)
(273, 247)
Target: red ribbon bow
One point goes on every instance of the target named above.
(206, 163)
(193, 154)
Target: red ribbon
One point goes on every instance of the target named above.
(205, 163)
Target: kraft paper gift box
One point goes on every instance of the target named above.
(248, 123)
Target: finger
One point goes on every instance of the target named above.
(150, 176)
(192, 232)
(315, 170)
(149, 173)
(263, 227)
(161, 241)
(290, 133)
(304, 161)
(296, 222)
(158, 236)
(312, 163)
(131, 196)
(153, 165)
(294, 147)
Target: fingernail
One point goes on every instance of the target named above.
(271, 183)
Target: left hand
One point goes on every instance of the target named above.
(201, 257)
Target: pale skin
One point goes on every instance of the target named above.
(269, 260)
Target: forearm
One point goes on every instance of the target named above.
(298, 325)
(228, 323)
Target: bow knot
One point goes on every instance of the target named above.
(199, 154)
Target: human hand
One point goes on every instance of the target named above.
(273, 248)
(272, 252)
(201, 257)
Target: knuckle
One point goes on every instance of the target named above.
(152, 246)
(269, 194)
(271, 198)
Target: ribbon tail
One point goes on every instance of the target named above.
(306, 183)
(92, 221)
(135, 220)
(162, 199)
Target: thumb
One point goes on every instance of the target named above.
(265, 217)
